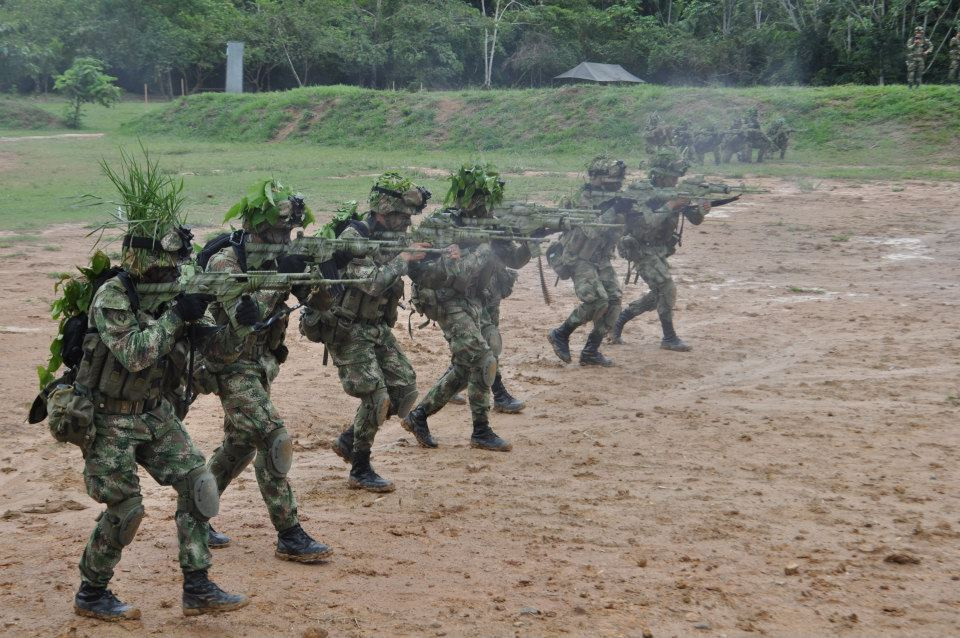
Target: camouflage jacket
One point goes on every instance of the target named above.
(920, 51)
(150, 344)
(376, 300)
(255, 348)
(595, 245)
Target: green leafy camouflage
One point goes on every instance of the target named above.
(260, 204)
(75, 296)
(475, 185)
(346, 212)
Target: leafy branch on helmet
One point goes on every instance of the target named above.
(390, 181)
(76, 292)
(475, 185)
(345, 213)
(261, 204)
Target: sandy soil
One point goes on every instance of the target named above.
(813, 425)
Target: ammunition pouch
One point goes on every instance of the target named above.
(427, 302)
(556, 261)
(70, 411)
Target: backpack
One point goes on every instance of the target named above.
(237, 239)
(555, 260)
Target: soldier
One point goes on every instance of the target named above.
(132, 356)
(707, 140)
(450, 291)
(651, 238)
(358, 329)
(779, 136)
(584, 254)
(952, 75)
(251, 424)
(733, 139)
(918, 48)
(683, 139)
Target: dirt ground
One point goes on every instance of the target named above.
(813, 429)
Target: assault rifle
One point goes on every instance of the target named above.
(225, 287)
(448, 228)
(534, 218)
(323, 249)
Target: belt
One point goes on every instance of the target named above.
(121, 406)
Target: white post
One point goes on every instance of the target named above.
(234, 67)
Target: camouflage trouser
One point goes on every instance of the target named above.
(372, 368)
(653, 268)
(599, 293)
(474, 345)
(159, 443)
(251, 423)
(914, 71)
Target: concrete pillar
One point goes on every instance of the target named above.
(234, 67)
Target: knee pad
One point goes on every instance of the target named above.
(231, 460)
(494, 340)
(407, 399)
(198, 494)
(377, 405)
(278, 452)
(488, 369)
(120, 521)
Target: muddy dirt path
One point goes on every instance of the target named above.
(812, 430)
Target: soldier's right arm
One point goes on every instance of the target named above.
(136, 347)
(381, 277)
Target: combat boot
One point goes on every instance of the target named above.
(559, 338)
(100, 603)
(503, 401)
(670, 339)
(363, 476)
(485, 438)
(616, 335)
(416, 424)
(296, 545)
(202, 596)
(216, 540)
(591, 355)
(342, 446)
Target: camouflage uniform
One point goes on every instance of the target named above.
(918, 48)
(779, 136)
(468, 325)
(143, 353)
(586, 255)
(358, 333)
(651, 237)
(952, 74)
(707, 140)
(251, 423)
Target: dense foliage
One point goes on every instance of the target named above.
(457, 43)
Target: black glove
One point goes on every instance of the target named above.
(191, 306)
(291, 263)
(247, 312)
(301, 292)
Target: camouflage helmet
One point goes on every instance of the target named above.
(667, 162)
(606, 172)
(393, 193)
(475, 189)
(269, 205)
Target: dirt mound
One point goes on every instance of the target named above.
(17, 114)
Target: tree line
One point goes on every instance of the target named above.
(434, 44)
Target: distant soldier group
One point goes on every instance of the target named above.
(744, 135)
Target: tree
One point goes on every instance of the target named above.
(85, 82)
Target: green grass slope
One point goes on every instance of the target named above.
(855, 123)
(19, 114)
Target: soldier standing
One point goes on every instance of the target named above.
(918, 48)
(132, 356)
(450, 291)
(585, 256)
(952, 74)
(651, 238)
(358, 328)
(251, 424)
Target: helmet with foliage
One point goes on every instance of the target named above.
(475, 189)
(269, 207)
(667, 164)
(150, 208)
(394, 193)
(606, 173)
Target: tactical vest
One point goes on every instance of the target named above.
(117, 390)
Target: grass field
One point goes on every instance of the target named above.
(336, 139)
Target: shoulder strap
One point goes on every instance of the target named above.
(238, 240)
(130, 288)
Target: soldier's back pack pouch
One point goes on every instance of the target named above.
(70, 417)
(555, 260)
(425, 302)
